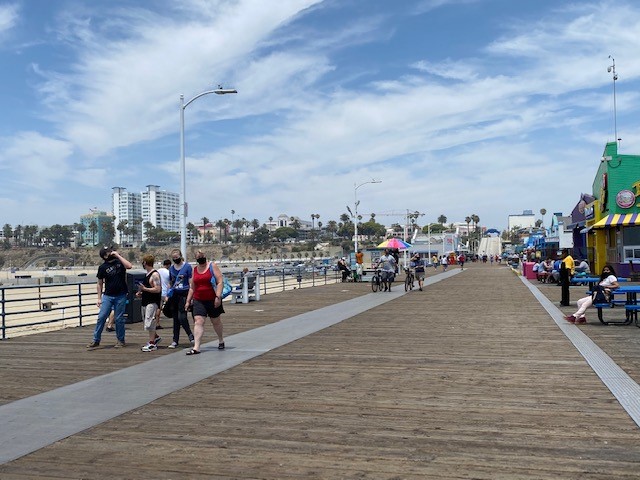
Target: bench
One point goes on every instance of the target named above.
(249, 290)
(632, 313)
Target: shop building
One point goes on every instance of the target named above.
(613, 218)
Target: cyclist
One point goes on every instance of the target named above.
(418, 266)
(388, 264)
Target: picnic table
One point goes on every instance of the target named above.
(630, 303)
(592, 281)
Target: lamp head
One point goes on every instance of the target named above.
(609, 69)
(224, 91)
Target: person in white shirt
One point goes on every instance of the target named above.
(164, 281)
(608, 281)
(388, 264)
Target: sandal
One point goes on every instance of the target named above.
(221, 346)
(192, 351)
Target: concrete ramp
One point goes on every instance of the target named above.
(491, 246)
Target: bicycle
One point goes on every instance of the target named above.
(408, 280)
(376, 281)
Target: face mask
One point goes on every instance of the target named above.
(177, 260)
(201, 261)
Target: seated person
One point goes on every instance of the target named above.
(547, 268)
(583, 268)
(608, 281)
(555, 272)
(536, 269)
(245, 273)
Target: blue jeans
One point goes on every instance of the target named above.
(111, 303)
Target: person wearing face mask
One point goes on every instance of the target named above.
(608, 282)
(180, 274)
(112, 275)
(206, 301)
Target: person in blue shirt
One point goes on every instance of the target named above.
(179, 274)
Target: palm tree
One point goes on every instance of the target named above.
(220, 224)
(442, 219)
(93, 228)
(476, 220)
(543, 212)
(467, 221)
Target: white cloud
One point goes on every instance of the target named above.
(38, 162)
(8, 16)
(126, 91)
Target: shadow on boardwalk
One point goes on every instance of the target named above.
(469, 379)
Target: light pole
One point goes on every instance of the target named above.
(183, 187)
(612, 69)
(356, 203)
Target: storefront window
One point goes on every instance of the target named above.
(631, 241)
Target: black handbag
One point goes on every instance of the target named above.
(167, 308)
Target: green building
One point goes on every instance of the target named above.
(98, 228)
(613, 219)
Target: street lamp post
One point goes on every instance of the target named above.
(355, 220)
(612, 69)
(183, 186)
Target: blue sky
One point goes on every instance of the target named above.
(458, 106)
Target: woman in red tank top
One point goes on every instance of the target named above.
(206, 302)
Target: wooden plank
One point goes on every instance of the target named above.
(468, 379)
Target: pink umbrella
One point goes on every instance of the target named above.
(395, 243)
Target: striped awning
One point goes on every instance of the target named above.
(618, 219)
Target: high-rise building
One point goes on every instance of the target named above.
(161, 208)
(127, 212)
(132, 211)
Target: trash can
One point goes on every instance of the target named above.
(133, 309)
(528, 272)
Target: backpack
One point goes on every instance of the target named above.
(599, 295)
(226, 286)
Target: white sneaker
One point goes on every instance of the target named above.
(149, 347)
(173, 345)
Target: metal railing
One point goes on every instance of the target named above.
(31, 308)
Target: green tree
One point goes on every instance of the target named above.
(442, 219)
(17, 235)
(122, 228)
(284, 233)
(93, 229)
(260, 236)
(7, 231)
(108, 231)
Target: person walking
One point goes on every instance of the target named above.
(418, 266)
(359, 266)
(150, 292)
(444, 262)
(344, 269)
(112, 276)
(165, 281)
(608, 282)
(461, 260)
(180, 274)
(205, 300)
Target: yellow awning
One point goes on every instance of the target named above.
(618, 219)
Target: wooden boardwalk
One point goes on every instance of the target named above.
(469, 379)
